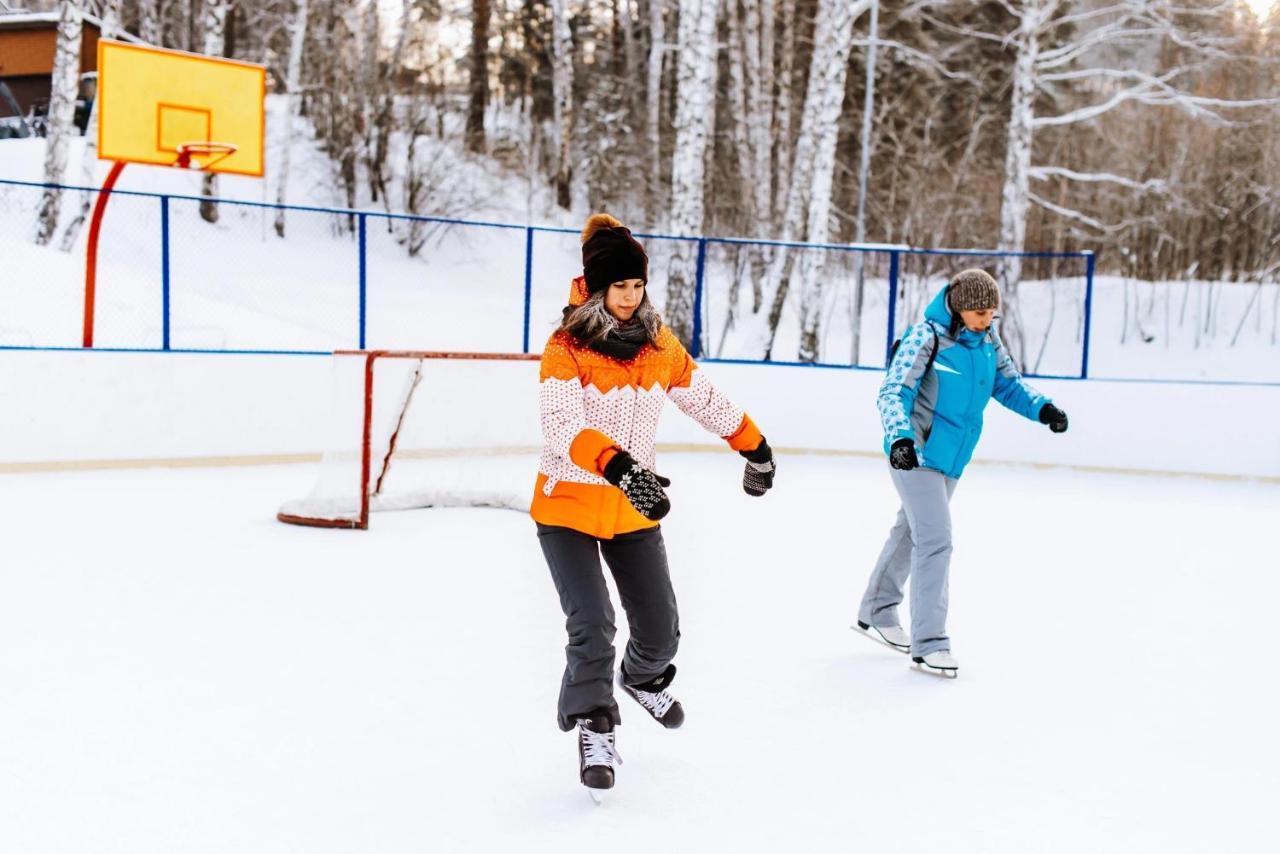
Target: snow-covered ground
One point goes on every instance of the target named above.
(183, 673)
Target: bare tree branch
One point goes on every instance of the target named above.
(1044, 173)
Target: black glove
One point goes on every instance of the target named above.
(1054, 417)
(642, 487)
(902, 455)
(757, 477)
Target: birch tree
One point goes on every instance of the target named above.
(109, 13)
(832, 90)
(758, 35)
(808, 204)
(383, 121)
(782, 112)
(653, 104)
(215, 42)
(562, 86)
(293, 84)
(694, 123)
(1060, 47)
(62, 110)
(151, 21)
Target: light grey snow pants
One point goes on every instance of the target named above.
(919, 545)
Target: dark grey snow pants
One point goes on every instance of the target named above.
(638, 562)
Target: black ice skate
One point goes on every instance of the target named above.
(597, 754)
(655, 699)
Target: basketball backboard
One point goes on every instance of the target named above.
(153, 102)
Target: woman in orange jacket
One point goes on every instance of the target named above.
(606, 374)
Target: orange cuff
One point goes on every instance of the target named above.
(747, 437)
(591, 450)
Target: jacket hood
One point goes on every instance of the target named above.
(578, 293)
(940, 315)
(938, 312)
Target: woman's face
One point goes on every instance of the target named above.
(623, 298)
(978, 321)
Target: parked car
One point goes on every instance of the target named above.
(12, 123)
(38, 116)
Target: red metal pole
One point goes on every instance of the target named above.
(91, 258)
(366, 451)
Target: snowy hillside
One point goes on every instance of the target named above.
(236, 285)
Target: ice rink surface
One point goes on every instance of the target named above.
(181, 674)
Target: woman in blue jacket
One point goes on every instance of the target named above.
(939, 381)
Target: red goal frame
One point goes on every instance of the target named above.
(366, 453)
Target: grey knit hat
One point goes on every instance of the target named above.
(973, 290)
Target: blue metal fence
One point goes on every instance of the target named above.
(346, 284)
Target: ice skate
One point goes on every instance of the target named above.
(938, 662)
(597, 755)
(655, 698)
(894, 637)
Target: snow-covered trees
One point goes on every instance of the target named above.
(808, 198)
(293, 83)
(214, 24)
(62, 108)
(108, 12)
(1100, 54)
(1141, 129)
(695, 115)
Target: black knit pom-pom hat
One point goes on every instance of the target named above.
(610, 254)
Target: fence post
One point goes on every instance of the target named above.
(528, 282)
(1088, 313)
(893, 305)
(164, 272)
(363, 241)
(696, 343)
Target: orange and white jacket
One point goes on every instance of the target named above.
(592, 404)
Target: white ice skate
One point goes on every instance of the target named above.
(939, 662)
(893, 637)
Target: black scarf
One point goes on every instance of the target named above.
(622, 342)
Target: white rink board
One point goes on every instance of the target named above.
(74, 406)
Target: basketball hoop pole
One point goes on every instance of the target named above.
(91, 259)
(223, 150)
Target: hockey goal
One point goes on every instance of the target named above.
(414, 429)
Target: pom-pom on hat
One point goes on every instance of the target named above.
(973, 290)
(610, 254)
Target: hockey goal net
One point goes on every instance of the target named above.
(414, 429)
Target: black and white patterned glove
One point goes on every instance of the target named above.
(1054, 417)
(902, 455)
(757, 477)
(642, 487)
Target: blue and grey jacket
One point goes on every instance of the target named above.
(940, 407)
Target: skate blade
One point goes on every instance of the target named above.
(941, 673)
(868, 633)
(597, 796)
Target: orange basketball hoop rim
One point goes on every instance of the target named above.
(216, 151)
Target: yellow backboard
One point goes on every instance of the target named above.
(152, 101)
